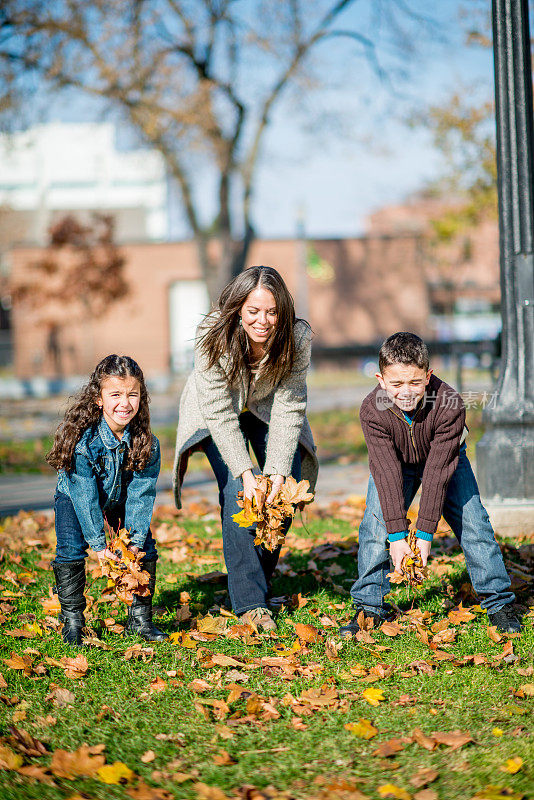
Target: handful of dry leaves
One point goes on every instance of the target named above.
(270, 517)
(412, 570)
(126, 576)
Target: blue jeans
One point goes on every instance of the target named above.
(469, 521)
(71, 544)
(250, 567)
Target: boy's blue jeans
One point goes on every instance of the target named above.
(468, 519)
(71, 544)
(250, 567)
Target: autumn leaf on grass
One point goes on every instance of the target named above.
(115, 773)
(423, 777)
(306, 633)
(83, 762)
(142, 791)
(391, 628)
(363, 729)
(498, 793)
(390, 790)
(493, 634)
(390, 748)
(209, 624)
(60, 697)
(459, 615)
(206, 792)
(157, 685)
(512, 765)
(9, 759)
(454, 739)
(373, 695)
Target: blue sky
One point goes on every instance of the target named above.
(380, 160)
(334, 179)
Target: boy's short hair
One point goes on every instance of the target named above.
(403, 348)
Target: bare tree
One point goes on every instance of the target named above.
(199, 80)
(78, 278)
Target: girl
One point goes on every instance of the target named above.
(248, 387)
(108, 463)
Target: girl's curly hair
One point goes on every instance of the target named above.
(84, 412)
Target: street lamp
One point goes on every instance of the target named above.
(505, 454)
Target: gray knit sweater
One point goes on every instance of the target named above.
(210, 407)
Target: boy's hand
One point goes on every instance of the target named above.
(424, 546)
(397, 551)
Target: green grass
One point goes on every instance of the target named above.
(337, 433)
(302, 763)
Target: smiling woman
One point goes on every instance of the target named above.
(248, 389)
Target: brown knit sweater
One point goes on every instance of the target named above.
(434, 441)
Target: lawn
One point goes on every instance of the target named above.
(434, 706)
(337, 433)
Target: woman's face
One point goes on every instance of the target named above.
(259, 315)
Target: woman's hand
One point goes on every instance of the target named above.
(249, 484)
(277, 482)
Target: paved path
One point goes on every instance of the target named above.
(36, 492)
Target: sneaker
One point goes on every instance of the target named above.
(260, 618)
(505, 620)
(353, 626)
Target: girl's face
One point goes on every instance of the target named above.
(259, 315)
(119, 400)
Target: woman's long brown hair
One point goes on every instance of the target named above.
(84, 412)
(225, 336)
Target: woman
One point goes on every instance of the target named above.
(248, 387)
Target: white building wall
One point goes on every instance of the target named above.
(60, 167)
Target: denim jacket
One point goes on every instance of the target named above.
(98, 481)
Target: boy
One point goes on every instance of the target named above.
(414, 428)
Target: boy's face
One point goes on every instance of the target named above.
(405, 384)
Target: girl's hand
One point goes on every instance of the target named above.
(105, 554)
(133, 548)
(397, 551)
(249, 484)
(277, 482)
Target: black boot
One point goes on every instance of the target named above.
(352, 627)
(140, 612)
(70, 583)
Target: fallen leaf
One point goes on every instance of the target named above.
(390, 790)
(391, 628)
(373, 695)
(73, 765)
(306, 633)
(454, 739)
(223, 759)
(115, 773)
(426, 794)
(157, 685)
(493, 634)
(206, 792)
(389, 748)
(512, 765)
(363, 729)
(423, 777)
(9, 759)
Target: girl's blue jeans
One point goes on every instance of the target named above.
(469, 521)
(250, 567)
(71, 544)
